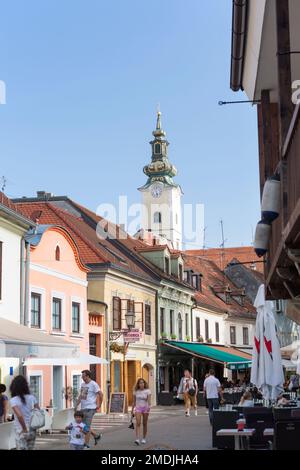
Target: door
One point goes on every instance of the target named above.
(58, 388)
(131, 371)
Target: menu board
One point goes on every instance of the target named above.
(117, 403)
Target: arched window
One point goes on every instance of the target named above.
(179, 327)
(157, 217)
(157, 149)
(57, 253)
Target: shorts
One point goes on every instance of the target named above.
(76, 446)
(88, 415)
(142, 409)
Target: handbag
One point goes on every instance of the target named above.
(192, 391)
(37, 419)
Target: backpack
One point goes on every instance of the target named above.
(37, 419)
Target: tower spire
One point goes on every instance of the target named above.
(158, 133)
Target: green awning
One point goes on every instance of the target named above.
(220, 354)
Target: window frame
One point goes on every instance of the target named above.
(206, 322)
(117, 314)
(217, 331)
(162, 322)
(245, 330)
(148, 329)
(198, 328)
(56, 300)
(38, 296)
(232, 332)
(78, 304)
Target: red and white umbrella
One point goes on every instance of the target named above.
(267, 369)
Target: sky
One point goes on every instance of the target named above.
(83, 81)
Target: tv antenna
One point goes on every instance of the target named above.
(222, 246)
(3, 183)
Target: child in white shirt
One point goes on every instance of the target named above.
(77, 431)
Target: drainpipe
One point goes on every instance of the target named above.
(157, 348)
(107, 351)
(27, 271)
(22, 282)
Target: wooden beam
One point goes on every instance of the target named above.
(286, 106)
(266, 131)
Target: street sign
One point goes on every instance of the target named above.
(132, 336)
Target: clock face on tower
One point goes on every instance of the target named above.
(156, 190)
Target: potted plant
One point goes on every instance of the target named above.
(117, 348)
(188, 338)
(173, 336)
(209, 340)
(200, 339)
(164, 335)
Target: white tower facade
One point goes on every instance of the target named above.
(161, 196)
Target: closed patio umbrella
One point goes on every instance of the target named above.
(268, 372)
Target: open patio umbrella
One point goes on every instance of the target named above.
(267, 372)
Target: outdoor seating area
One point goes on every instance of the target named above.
(266, 427)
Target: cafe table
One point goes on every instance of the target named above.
(238, 435)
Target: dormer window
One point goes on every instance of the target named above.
(167, 265)
(57, 253)
(180, 269)
(157, 149)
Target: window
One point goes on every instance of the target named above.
(206, 330)
(196, 281)
(117, 313)
(56, 314)
(162, 320)
(198, 332)
(180, 272)
(1, 246)
(172, 322)
(217, 332)
(179, 327)
(147, 319)
(245, 336)
(187, 330)
(57, 253)
(76, 385)
(232, 335)
(75, 317)
(35, 387)
(157, 217)
(278, 306)
(35, 310)
(157, 149)
(167, 265)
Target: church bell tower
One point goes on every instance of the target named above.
(161, 196)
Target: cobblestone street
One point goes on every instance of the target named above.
(168, 428)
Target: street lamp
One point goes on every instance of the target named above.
(130, 319)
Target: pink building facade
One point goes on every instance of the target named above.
(57, 306)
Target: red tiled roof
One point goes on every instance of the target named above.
(136, 246)
(5, 201)
(92, 250)
(222, 257)
(213, 277)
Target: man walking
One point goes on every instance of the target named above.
(90, 399)
(212, 391)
